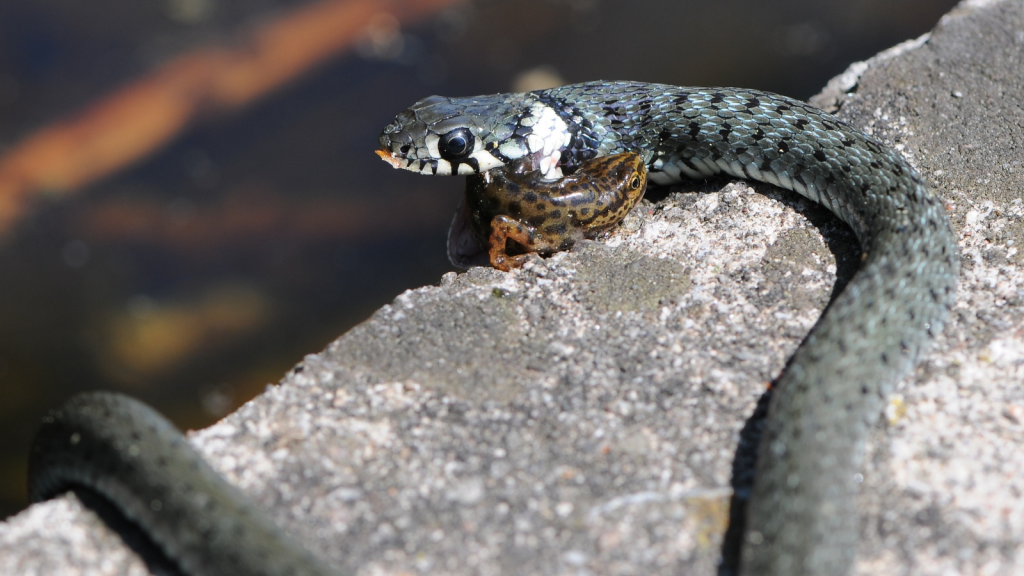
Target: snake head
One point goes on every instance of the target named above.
(440, 135)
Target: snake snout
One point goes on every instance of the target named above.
(399, 140)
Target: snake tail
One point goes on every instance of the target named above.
(136, 460)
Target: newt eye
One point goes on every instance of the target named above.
(634, 182)
(456, 145)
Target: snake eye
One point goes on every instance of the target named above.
(456, 144)
(634, 182)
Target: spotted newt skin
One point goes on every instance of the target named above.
(515, 205)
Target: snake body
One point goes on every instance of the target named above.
(135, 459)
(801, 516)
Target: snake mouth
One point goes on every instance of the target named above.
(390, 158)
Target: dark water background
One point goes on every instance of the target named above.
(175, 279)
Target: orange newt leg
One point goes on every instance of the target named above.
(504, 229)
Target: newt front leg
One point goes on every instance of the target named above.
(503, 229)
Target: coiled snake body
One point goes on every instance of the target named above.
(801, 517)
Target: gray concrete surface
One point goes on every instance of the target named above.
(580, 416)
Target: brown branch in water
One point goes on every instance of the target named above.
(137, 119)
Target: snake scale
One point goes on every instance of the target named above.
(802, 517)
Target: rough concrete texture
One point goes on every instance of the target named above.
(580, 416)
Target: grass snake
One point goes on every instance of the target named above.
(801, 515)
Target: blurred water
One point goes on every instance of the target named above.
(202, 273)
